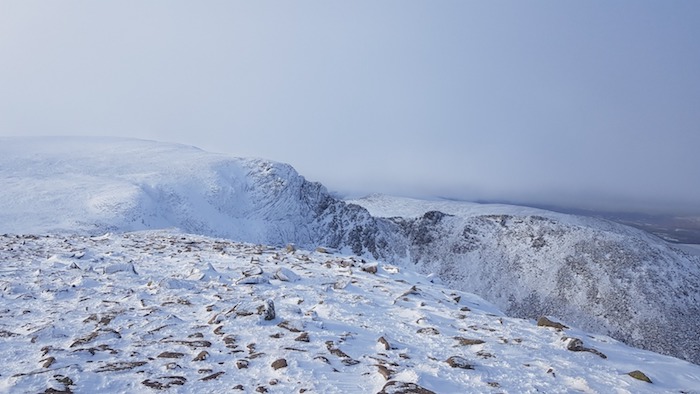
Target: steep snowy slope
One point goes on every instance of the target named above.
(159, 311)
(597, 275)
(93, 185)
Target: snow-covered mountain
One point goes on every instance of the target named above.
(162, 310)
(94, 185)
(598, 275)
(594, 274)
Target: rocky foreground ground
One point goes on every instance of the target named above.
(163, 311)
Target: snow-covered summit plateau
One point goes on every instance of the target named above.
(592, 274)
(160, 310)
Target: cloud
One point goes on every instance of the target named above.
(590, 105)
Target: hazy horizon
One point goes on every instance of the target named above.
(581, 105)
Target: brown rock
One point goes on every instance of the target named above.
(280, 363)
(459, 362)
(201, 356)
(468, 341)
(395, 387)
(385, 372)
(544, 322)
(303, 337)
(429, 331)
(213, 376)
(384, 342)
(171, 355)
(48, 362)
(242, 364)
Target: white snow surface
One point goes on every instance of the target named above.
(162, 310)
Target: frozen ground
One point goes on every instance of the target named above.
(160, 310)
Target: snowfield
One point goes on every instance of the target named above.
(161, 310)
(593, 274)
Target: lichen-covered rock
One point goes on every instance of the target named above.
(639, 375)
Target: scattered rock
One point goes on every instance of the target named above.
(201, 356)
(253, 271)
(280, 363)
(396, 387)
(48, 362)
(193, 344)
(171, 355)
(385, 343)
(303, 337)
(120, 366)
(639, 375)
(242, 364)
(65, 380)
(213, 376)
(429, 331)
(288, 326)
(370, 268)
(385, 372)
(545, 322)
(459, 362)
(165, 382)
(467, 341)
(267, 310)
(576, 345)
(52, 390)
(87, 339)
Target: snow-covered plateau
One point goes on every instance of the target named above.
(160, 270)
(162, 310)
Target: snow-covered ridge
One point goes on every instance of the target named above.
(159, 310)
(93, 185)
(598, 275)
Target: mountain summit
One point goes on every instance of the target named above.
(593, 274)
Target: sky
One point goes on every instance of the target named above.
(585, 104)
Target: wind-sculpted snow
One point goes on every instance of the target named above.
(161, 311)
(90, 186)
(596, 275)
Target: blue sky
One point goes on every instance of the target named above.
(588, 104)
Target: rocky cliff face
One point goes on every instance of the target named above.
(596, 275)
